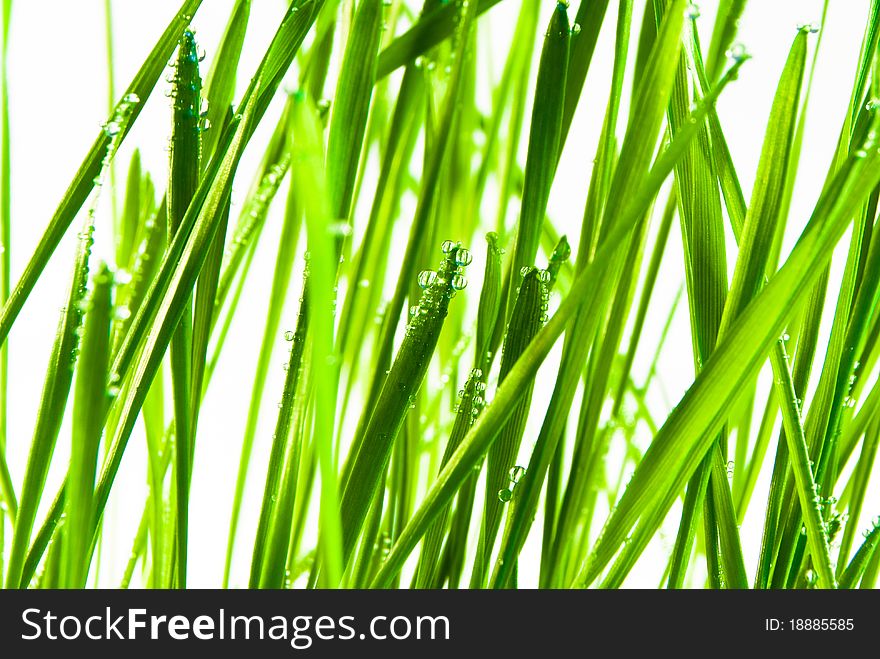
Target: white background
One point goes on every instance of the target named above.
(58, 93)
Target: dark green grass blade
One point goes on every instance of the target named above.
(431, 29)
(281, 441)
(183, 181)
(861, 561)
(544, 139)
(398, 392)
(529, 313)
(348, 119)
(83, 183)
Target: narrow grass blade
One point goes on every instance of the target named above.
(348, 119)
(185, 154)
(431, 29)
(399, 390)
(529, 313)
(89, 405)
(83, 183)
(544, 139)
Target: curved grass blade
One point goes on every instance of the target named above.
(682, 442)
(84, 181)
(430, 30)
(59, 374)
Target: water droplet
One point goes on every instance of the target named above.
(810, 28)
(288, 336)
(692, 11)
(737, 52)
(459, 282)
(463, 257)
(426, 278)
(575, 29)
(448, 246)
(523, 271)
(505, 495)
(516, 473)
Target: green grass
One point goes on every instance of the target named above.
(485, 424)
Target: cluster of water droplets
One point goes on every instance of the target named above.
(545, 278)
(809, 28)
(448, 279)
(256, 209)
(115, 130)
(472, 399)
(737, 52)
(515, 476)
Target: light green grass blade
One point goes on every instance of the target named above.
(83, 183)
(189, 250)
(308, 159)
(682, 441)
(89, 405)
(7, 490)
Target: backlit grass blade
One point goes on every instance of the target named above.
(192, 246)
(7, 491)
(83, 183)
(89, 404)
(308, 160)
(59, 374)
(683, 440)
